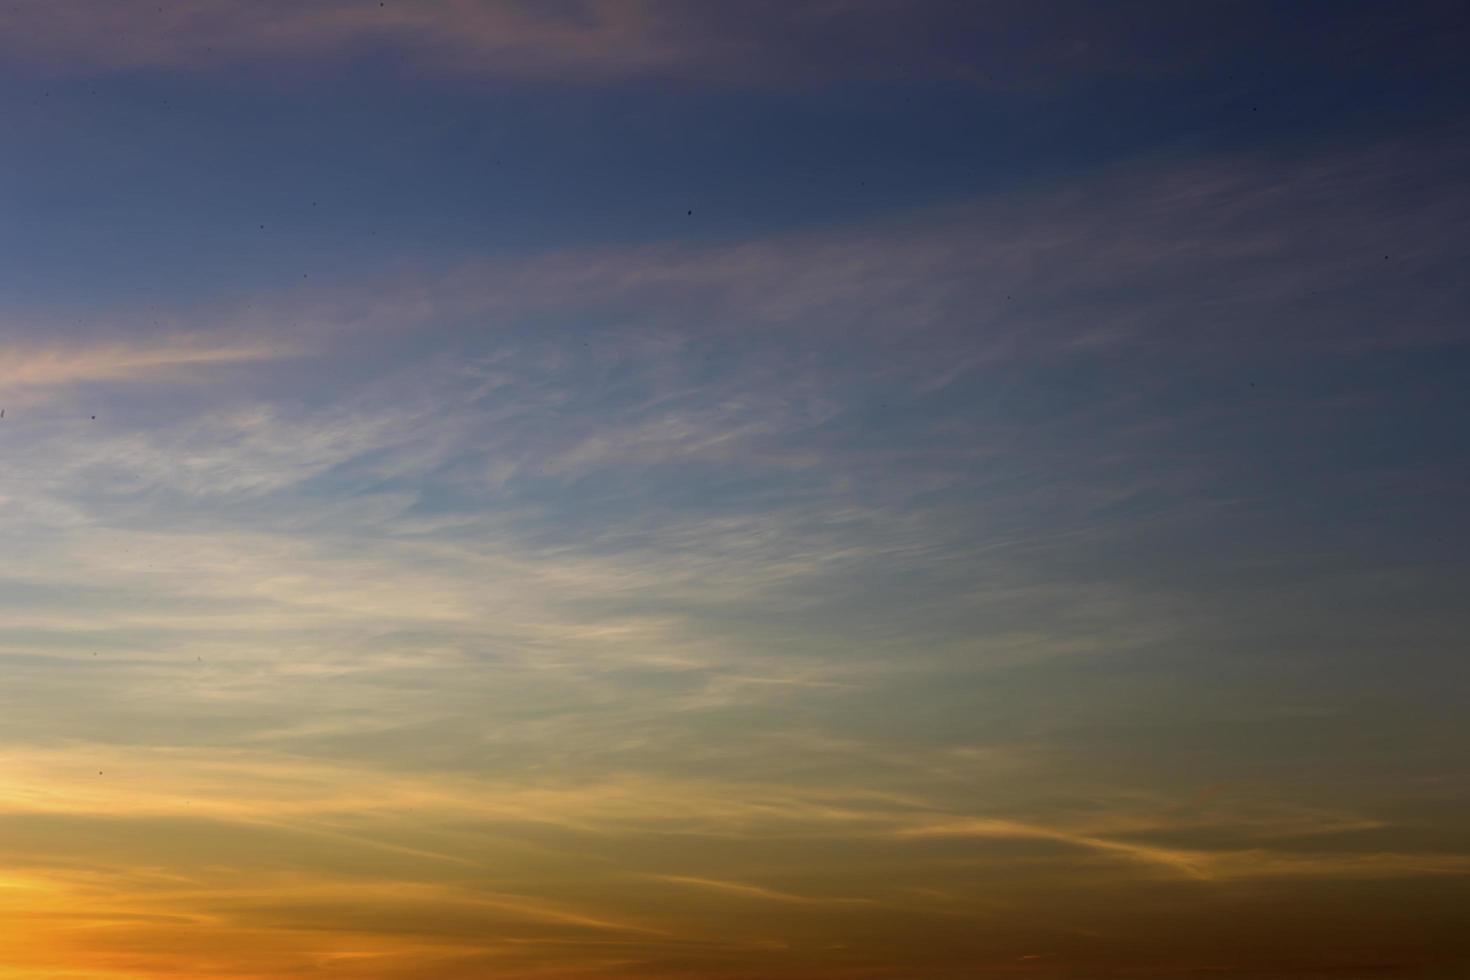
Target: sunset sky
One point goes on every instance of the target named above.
(734, 490)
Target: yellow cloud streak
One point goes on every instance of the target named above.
(755, 891)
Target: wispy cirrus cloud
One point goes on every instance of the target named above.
(466, 865)
(26, 364)
(745, 890)
(573, 430)
(1210, 254)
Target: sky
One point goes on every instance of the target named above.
(802, 490)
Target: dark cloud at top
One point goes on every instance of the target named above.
(1001, 43)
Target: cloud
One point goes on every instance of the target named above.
(583, 39)
(1174, 860)
(26, 366)
(1214, 865)
(307, 859)
(1000, 44)
(1321, 251)
(802, 426)
(591, 459)
(743, 890)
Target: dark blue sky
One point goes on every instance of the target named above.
(156, 180)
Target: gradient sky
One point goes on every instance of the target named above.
(812, 490)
